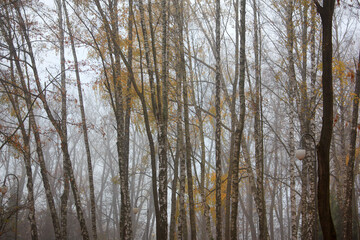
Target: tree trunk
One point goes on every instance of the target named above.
(163, 125)
(56, 124)
(349, 183)
(199, 114)
(122, 113)
(182, 229)
(174, 184)
(252, 187)
(32, 122)
(26, 149)
(234, 120)
(66, 190)
(326, 12)
(84, 126)
(239, 127)
(292, 82)
(258, 132)
(218, 125)
(160, 229)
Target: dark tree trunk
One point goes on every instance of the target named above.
(326, 12)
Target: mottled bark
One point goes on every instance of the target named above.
(174, 184)
(173, 233)
(306, 120)
(182, 228)
(258, 134)
(126, 140)
(182, 232)
(218, 171)
(185, 160)
(234, 120)
(239, 127)
(66, 189)
(311, 116)
(292, 83)
(163, 125)
(128, 97)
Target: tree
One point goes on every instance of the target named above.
(349, 183)
(218, 124)
(239, 125)
(83, 123)
(326, 13)
(170, 98)
(258, 134)
(16, 14)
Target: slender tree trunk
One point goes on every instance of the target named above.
(55, 123)
(185, 154)
(326, 12)
(30, 188)
(259, 151)
(159, 228)
(128, 99)
(174, 184)
(252, 187)
(182, 224)
(122, 113)
(239, 128)
(182, 228)
(292, 82)
(233, 124)
(179, 145)
(84, 126)
(32, 122)
(122, 132)
(234, 120)
(163, 124)
(188, 151)
(198, 111)
(349, 183)
(26, 150)
(66, 190)
(218, 125)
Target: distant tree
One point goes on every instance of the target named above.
(349, 182)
